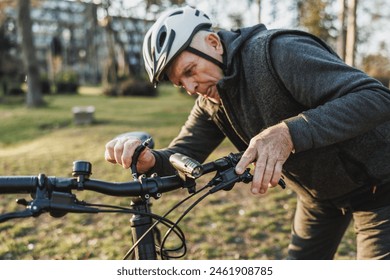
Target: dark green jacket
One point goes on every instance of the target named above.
(338, 117)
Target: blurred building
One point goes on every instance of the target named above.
(69, 38)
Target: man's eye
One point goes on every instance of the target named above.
(188, 72)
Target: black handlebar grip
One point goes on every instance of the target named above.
(18, 184)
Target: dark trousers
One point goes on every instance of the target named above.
(319, 226)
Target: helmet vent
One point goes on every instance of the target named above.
(161, 37)
(176, 13)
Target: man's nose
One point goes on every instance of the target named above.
(190, 87)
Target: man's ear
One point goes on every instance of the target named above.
(213, 40)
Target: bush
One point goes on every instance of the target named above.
(13, 88)
(131, 87)
(16, 91)
(110, 90)
(137, 88)
(45, 84)
(67, 82)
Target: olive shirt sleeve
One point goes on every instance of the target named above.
(342, 102)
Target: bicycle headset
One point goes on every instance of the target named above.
(171, 34)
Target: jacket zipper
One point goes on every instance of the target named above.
(229, 118)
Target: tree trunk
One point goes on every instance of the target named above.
(110, 73)
(341, 40)
(110, 76)
(34, 95)
(350, 47)
(259, 11)
(92, 46)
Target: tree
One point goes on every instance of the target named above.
(236, 19)
(350, 45)
(316, 18)
(160, 4)
(110, 73)
(341, 40)
(34, 95)
(378, 65)
(92, 48)
(112, 9)
(258, 4)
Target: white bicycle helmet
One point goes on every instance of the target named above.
(168, 36)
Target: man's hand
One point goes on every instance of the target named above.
(120, 150)
(268, 150)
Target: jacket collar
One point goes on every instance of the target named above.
(232, 42)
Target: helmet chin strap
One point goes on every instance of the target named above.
(206, 56)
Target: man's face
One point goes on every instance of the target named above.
(196, 75)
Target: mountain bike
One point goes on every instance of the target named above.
(55, 195)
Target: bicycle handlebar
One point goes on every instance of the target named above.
(55, 193)
(82, 170)
(29, 184)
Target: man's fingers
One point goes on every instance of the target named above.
(258, 174)
(277, 173)
(267, 176)
(109, 152)
(118, 150)
(108, 158)
(128, 152)
(121, 150)
(247, 158)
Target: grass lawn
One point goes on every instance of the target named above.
(227, 225)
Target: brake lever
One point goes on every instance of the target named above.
(15, 215)
(137, 153)
(225, 180)
(235, 158)
(58, 205)
(62, 203)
